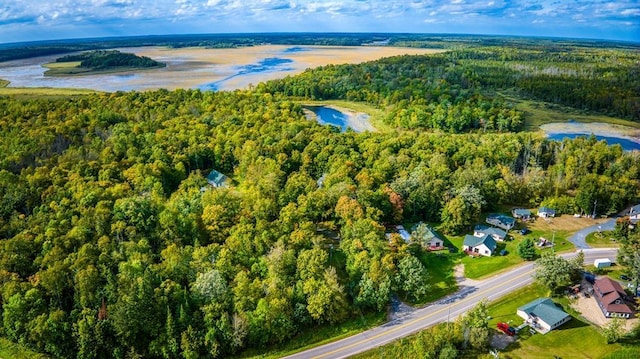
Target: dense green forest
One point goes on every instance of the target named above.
(109, 59)
(459, 90)
(113, 244)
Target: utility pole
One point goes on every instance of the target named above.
(595, 203)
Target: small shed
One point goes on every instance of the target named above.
(602, 263)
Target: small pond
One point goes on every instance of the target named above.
(330, 116)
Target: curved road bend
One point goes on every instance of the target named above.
(579, 238)
(448, 308)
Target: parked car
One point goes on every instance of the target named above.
(504, 252)
(525, 231)
(624, 277)
(506, 329)
(589, 277)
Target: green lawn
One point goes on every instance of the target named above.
(479, 267)
(10, 350)
(602, 240)
(575, 339)
(441, 277)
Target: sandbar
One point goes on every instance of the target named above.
(195, 67)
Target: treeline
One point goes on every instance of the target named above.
(100, 60)
(113, 245)
(456, 91)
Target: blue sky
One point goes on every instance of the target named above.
(26, 20)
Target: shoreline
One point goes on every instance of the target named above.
(357, 121)
(595, 128)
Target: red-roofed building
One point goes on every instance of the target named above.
(610, 297)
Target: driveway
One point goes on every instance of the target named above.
(579, 238)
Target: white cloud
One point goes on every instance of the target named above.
(171, 16)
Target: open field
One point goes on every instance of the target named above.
(196, 67)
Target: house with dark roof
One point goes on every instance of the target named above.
(521, 213)
(546, 212)
(497, 233)
(502, 221)
(484, 245)
(610, 297)
(543, 315)
(217, 179)
(634, 214)
(427, 236)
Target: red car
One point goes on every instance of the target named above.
(506, 329)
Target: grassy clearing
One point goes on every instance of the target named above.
(604, 239)
(538, 113)
(10, 350)
(42, 91)
(319, 336)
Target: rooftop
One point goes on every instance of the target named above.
(545, 309)
(473, 241)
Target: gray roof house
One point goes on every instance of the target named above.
(502, 221)
(217, 179)
(546, 212)
(427, 236)
(484, 245)
(497, 233)
(521, 213)
(543, 315)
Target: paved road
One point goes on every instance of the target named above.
(579, 238)
(470, 293)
